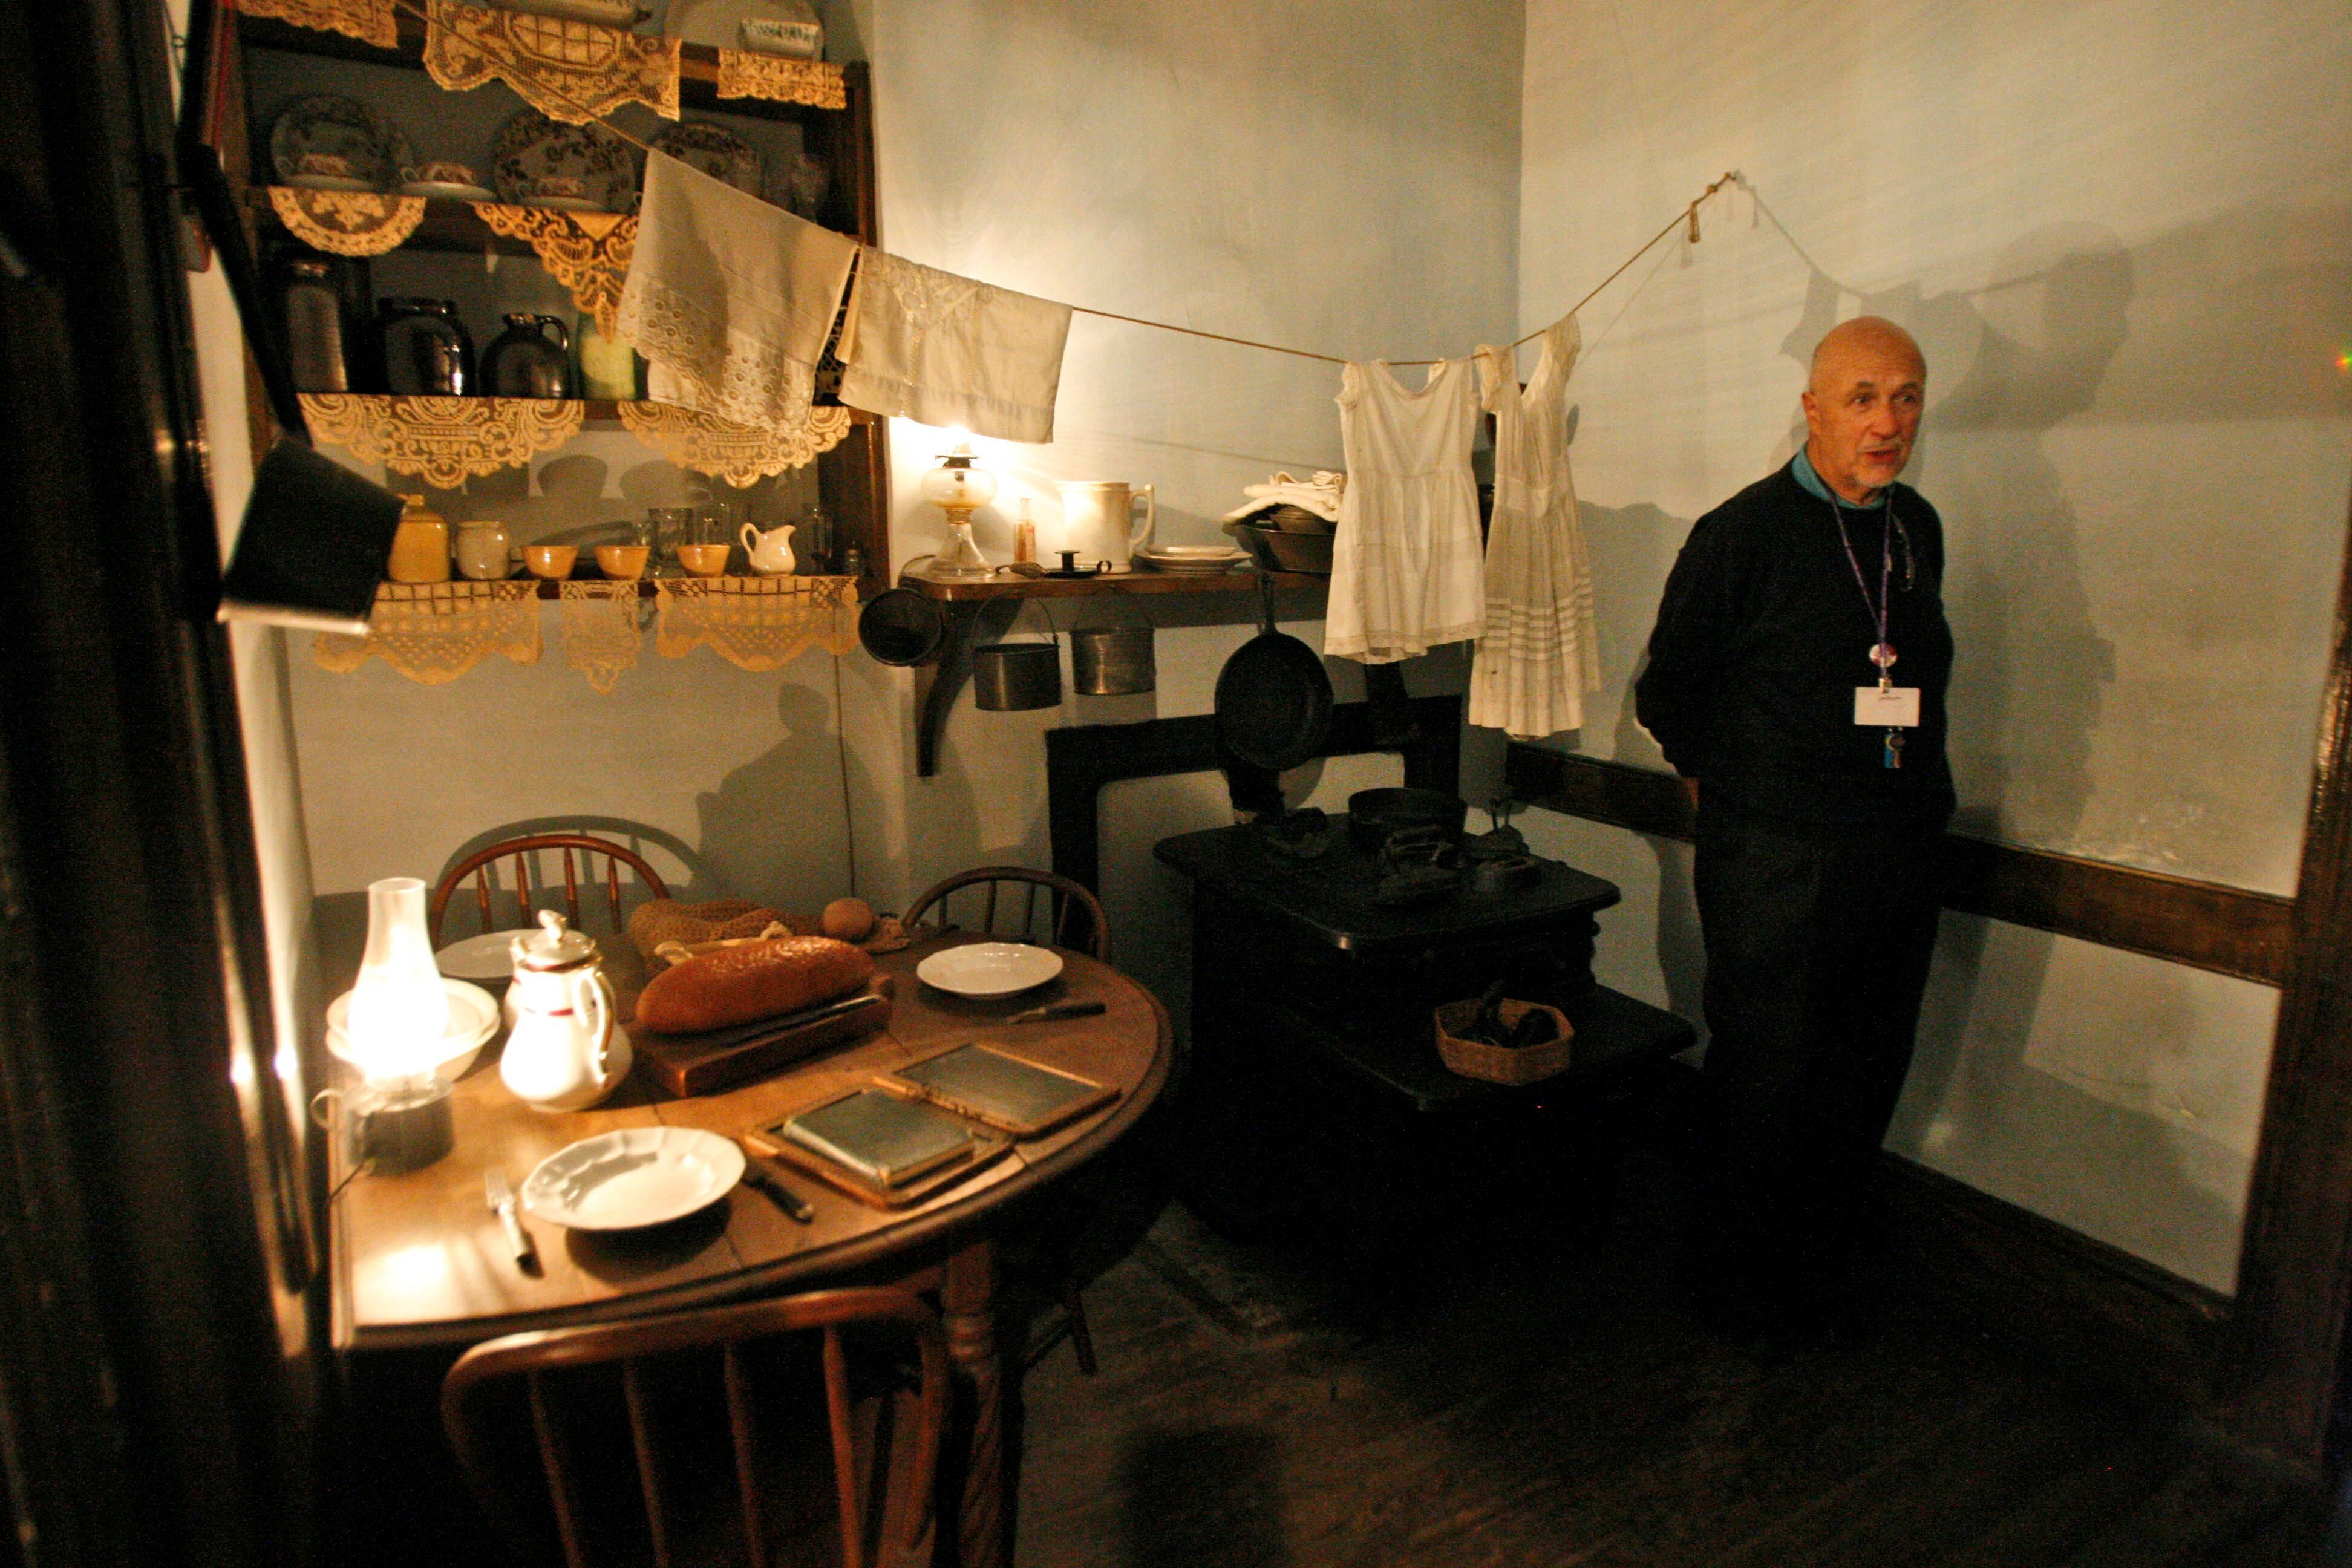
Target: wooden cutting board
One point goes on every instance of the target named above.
(697, 1064)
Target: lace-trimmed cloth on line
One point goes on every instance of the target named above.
(942, 350)
(731, 297)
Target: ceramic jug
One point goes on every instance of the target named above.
(1098, 520)
(532, 358)
(564, 1051)
(426, 350)
(770, 553)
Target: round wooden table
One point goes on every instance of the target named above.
(419, 1260)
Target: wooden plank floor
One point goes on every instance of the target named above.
(1546, 1402)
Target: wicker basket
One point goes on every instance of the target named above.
(1501, 1064)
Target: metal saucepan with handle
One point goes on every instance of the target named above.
(1273, 697)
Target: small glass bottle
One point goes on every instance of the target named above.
(1024, 535)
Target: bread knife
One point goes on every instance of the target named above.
(797, 1207)
(1059, 1010)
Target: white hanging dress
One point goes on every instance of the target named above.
(1407, 572)
(1537, 654)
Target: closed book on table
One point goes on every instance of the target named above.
(881, 1137)
(1003, 1090)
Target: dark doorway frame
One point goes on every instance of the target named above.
(156, 1397)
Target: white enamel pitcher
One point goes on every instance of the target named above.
(563, 1052)
(1098, 520)
(770, 553)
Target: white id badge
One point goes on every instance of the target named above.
(1896, 708)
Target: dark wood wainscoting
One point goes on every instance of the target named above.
(2227, 929)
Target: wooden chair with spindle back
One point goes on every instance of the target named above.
(578, 850)
(652, 1390)
(1076, 918)
(1076, 921)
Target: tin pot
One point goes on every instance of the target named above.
(1112, 661)
(900, 627)
(1012, 677)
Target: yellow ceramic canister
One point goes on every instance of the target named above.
(420, 547)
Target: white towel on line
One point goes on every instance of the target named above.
(731, 298)
(926, 345)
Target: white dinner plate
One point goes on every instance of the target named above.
(637, 1176)
(989, 968)
(473, 1018)
(1203, 558)
(485, 959)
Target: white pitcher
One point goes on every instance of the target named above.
(770, 553)
(563, 1052)
(1098, 520)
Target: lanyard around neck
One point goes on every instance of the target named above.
(1882, 653)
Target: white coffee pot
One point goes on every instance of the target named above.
(563, 1052)
(1098, 520)
(770, 553)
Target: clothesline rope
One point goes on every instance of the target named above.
(1689, 218)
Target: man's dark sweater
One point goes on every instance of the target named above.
(1763, 636)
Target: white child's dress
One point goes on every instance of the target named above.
(1537, 655)
(1407, 570)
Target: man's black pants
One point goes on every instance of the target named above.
(1818, 942)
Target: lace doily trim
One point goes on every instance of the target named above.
(743, 73)
(588, 253)
(727, 372)
(347, 223)
(441, 439)
(601, 631)
(741, 455)
(370, 21)
(568, 70)
(756, 623)
(434, 632)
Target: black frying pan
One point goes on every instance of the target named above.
(1273, 697)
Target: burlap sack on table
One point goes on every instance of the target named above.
(657, 920)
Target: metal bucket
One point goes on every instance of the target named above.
(1112, 661)
(1009, 677)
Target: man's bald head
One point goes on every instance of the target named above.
(1863, 401)
(1864, 335)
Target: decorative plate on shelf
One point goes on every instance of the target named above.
(716, 151)
(536, 161)
(637, 1176)
(446, 179)
(328, 141)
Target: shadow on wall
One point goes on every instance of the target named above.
(2031, 669)
(2006, 1114)
(339, 921)
(775, 825)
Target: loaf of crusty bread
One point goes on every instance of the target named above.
(756, 980)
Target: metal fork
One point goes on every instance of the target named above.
(502, 1203)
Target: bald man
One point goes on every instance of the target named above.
(1796, 678)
